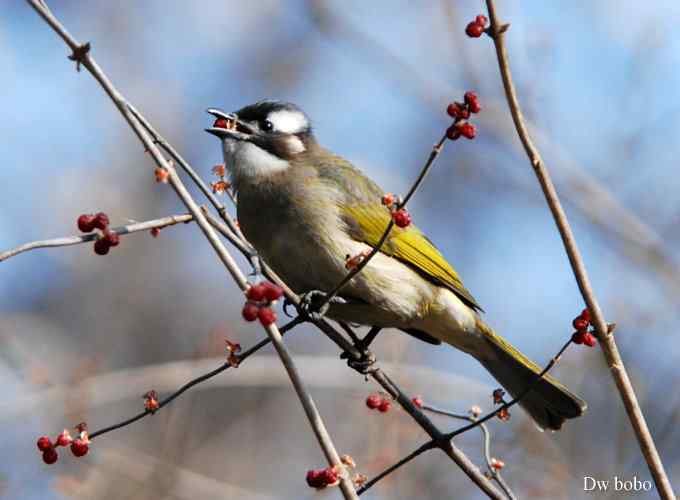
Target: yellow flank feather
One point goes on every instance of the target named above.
(367, 223)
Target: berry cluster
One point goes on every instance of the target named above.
(107, 239)
(221, 186)
(79, 446)
(260, 298)
(460, 112)
(322, 478)
(379, 402)
(582, 335)
(400, 215)
(476, 28)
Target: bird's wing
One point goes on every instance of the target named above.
(367, 220)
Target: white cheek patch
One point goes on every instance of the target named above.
(288, 122)
(252, 161)
(295, 145)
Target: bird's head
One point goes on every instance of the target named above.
(261, 139)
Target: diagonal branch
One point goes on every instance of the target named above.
(607, 342)
(81, 54)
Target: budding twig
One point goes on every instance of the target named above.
(607, 342)
(76, 240)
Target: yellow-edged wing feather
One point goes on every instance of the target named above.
(368, 223)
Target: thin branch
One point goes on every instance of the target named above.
(436, 150)
(606, 339)
(553, 361)
(81, 54)
(486, 447)
(76, 240)
(167, 400)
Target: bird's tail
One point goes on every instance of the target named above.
(548, 402)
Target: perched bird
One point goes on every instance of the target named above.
(306, 209)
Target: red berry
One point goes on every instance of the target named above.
(79, 447)
(272, 292)
(155, 231)
(589, 339)
(402, 218)
(385, 406)
(85, 223)
(470, 97)
(315, 479)
(329, 475)
(250, 311)
(580, 324)
(101, 221)
(220, 123)
(266, 315)
(453, 132)
(474, 30)
(578, 337)
(64, 439)
(468, 130)
(373, 401)
(50, 456)
(112, 238)
(418, 401)
(585, 314)
(453, 109)
(256, 292)
(44, 443)
(482, 20)
(474, 107)
(101, 246)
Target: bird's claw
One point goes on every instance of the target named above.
(313, 304)
(363, 364)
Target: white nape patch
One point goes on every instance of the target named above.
(248, 160)
(287, 121)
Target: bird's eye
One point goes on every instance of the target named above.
(267, 126)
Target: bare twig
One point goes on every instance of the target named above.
(606, 340)
(167, 400)
(495, 473)
(82, 55)
(76, 240)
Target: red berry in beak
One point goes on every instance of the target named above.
(220, 123)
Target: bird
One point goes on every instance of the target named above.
(306, 210)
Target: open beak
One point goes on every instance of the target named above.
(227, 125)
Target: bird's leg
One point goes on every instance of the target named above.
(310, 301)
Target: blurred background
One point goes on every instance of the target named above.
(83, 337)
